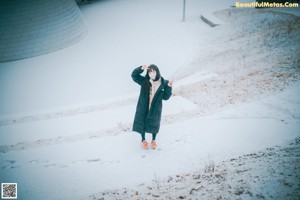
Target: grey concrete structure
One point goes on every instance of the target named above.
(34, 27)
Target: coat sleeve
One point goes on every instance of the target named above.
(136, 75)
(168, 92)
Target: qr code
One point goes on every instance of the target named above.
(9, 190)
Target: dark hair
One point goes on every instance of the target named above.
(147, 83)
(153, 67)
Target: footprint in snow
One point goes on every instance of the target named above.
(56, 165)
(39, 161)
(93, 160)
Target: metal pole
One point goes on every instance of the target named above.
(183, 13)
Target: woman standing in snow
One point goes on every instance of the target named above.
(154, 89)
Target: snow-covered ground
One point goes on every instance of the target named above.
(122, 35)
(66, 133)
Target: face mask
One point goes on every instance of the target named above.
(152, 75)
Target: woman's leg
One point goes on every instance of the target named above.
(143, 136)
(153, 136)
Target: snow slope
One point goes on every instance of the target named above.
(76, 168)
(122, 35)
(219, 110)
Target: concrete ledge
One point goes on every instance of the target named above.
(210, 23)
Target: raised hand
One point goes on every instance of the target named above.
(144, 67)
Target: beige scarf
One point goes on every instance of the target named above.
(154, 87)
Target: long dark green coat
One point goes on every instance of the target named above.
(146, 120)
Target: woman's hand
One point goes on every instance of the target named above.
(144, 67)
(170, 84)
